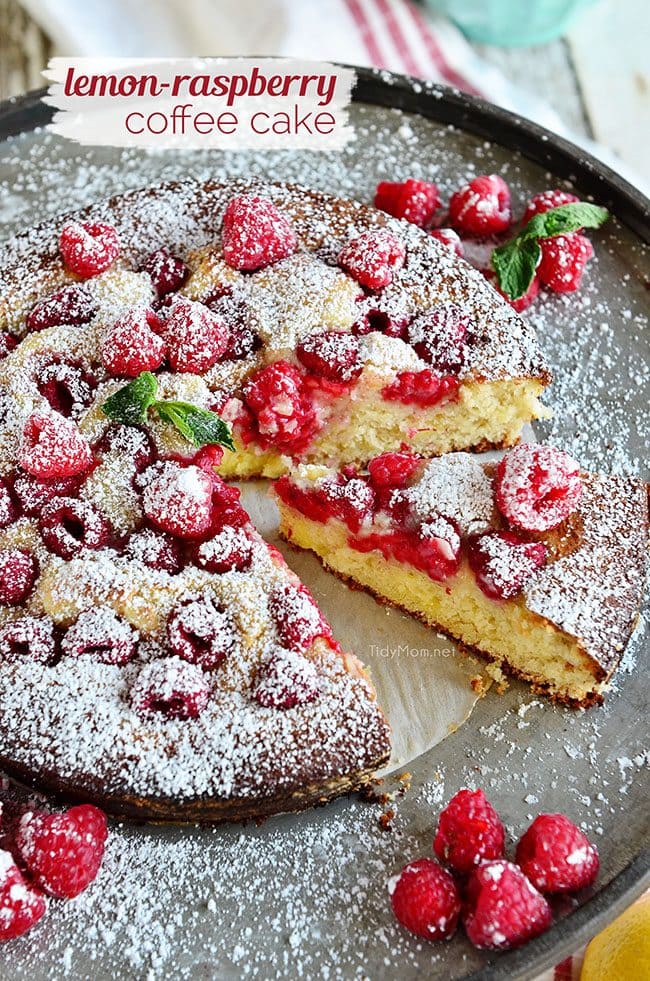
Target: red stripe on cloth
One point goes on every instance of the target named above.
(401, 45)
(367, 35)
(564, 971)
(437, 56)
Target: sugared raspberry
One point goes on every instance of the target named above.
(88, 248)
(68, 525)
(231, 550)
(286, 680)
(350, 498)
(28, 637)
(9, 510)
(521, 303)
(543, 202)
(70, 305)
(52, 446)
(469, 831)
(537, 487)
(415, 201)
(33, 494)
(195, 338)
(102, 635)
(18, 571)
(156, 550)
(425, 900)
(283, 412)
(563, 261)
(386, 317)
(131, 345)
(171, 687)
(450, 239)
(179, 500)
(297, 619)
(393, 470)
(481, 207)
(63, 852)
(66, 386)
(234, 311)
(131, 444)
(200, 632)
(556, 855)
(226, 509)
(255, 234)
(424, 388)
(21, 906)
(503, 563)
(438, 552)
(372, 258)
(438, 336)
(167, 271)
(7, 344)
(332, 354)
(502, 908)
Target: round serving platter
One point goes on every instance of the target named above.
(305, 895)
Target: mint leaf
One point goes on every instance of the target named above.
(199, 426)
(515, 262)
(129, 405)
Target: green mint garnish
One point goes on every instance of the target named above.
(516, 261)
(130, 406)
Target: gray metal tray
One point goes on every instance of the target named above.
(306, 895)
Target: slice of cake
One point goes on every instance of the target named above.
(531, 564)
(324, 331)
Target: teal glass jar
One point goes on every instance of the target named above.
(511, 22)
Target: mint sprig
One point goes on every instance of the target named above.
(131, 404)
(515, 262)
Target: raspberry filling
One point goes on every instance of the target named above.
(88, 248)
(28, 637)
(100, 634)
(537, 487)
(434, 547)
(69, 525)
(283, 413)
(390, 471)
(425, 388)
(70, 305)
(503, 563)
(287, 679)
(350, 499)
(200, 632)
(171, 687)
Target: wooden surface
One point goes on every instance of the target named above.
(597, 78)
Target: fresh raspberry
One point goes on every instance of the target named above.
(102, 635)
(52, 446)
(33, 494)
(556, 856)
(450, 239)
(70, 305)
(69, 525)
(18, 571)
(255, 234)
(537, 487)
(131, 345)
(171, 687)
(297, 619)
(231, 550)
(88, 248)
(331, 354)
(287, 679)
(415, 201)
(200, 632)
(283, 412)
(543, 202)
(9, 510)
(130, 444)
(521, 303)
(66, 386)
(7, 344)
(372, 258)
(179, 500)
(167, 271)
(393, 470)
(502, 908)
(63, 852)
(21, 906)
(563, 261)
(438, 336)
(196, 339)
(156, 550)
(481, 207)
(28, 637)
(425, 900)
(503, 563)
(469, 831)
(424, 388)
